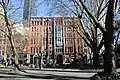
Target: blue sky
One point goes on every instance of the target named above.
(42, 8)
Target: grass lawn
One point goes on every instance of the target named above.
(2, 66)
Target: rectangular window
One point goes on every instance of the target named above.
(50, 35)
(0, 41)
(69, 35)
(65, 40)
(31, 41)
(65, 49)
(37, 50)
(60, 49)
(31, 50)
(34, 49)
(69, 41)
(32, 28)
(4, 41)
(78, 41)
(35, 28)
(56, 50)
(35, 22)
(78, 49)
(70, 49)
(2, 52)
(38, 23)
(32, 22)
(50, 41)
(34, 41)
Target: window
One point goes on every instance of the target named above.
(70, 49)
(4, 36)
(2, 52)
(45, 23)
(59, 29)
(0, 41)
(50, 41)
(34, 49)
(50, 29)
(34, 41)
(40, 22)
(37, 50)
(4, 41)
(65, 40)
(69, 41)
(59, 39)
(31, 41)
(32, 28)
(37, 22)
(69, 35)
(56, 50)
(69, 29)
(50, 35)
(35, 28)
(31, 50)
(32, 22)
(65, 49)
(78, 41)
(60, 49)
(65, 23)
(65, 29)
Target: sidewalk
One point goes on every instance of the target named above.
(59, 69)
(50, 74)
(72, 70)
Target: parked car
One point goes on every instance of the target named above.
(2, 62)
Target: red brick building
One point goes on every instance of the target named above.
(57, 35)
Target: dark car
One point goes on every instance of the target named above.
(2, 62)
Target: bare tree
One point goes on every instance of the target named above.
(108, 33)
(105, 12)
(9, 27)
(91, 35)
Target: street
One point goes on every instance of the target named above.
(46, 74)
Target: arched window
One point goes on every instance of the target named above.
(69, 29)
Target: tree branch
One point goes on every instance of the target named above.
(92, 16)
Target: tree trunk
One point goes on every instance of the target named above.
(96, 62)
(109, 55)
(16, 63)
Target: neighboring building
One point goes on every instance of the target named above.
(5, 47)
(3, 40)
(29, 9)
(57, 36)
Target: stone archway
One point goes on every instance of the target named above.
(59, 59)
